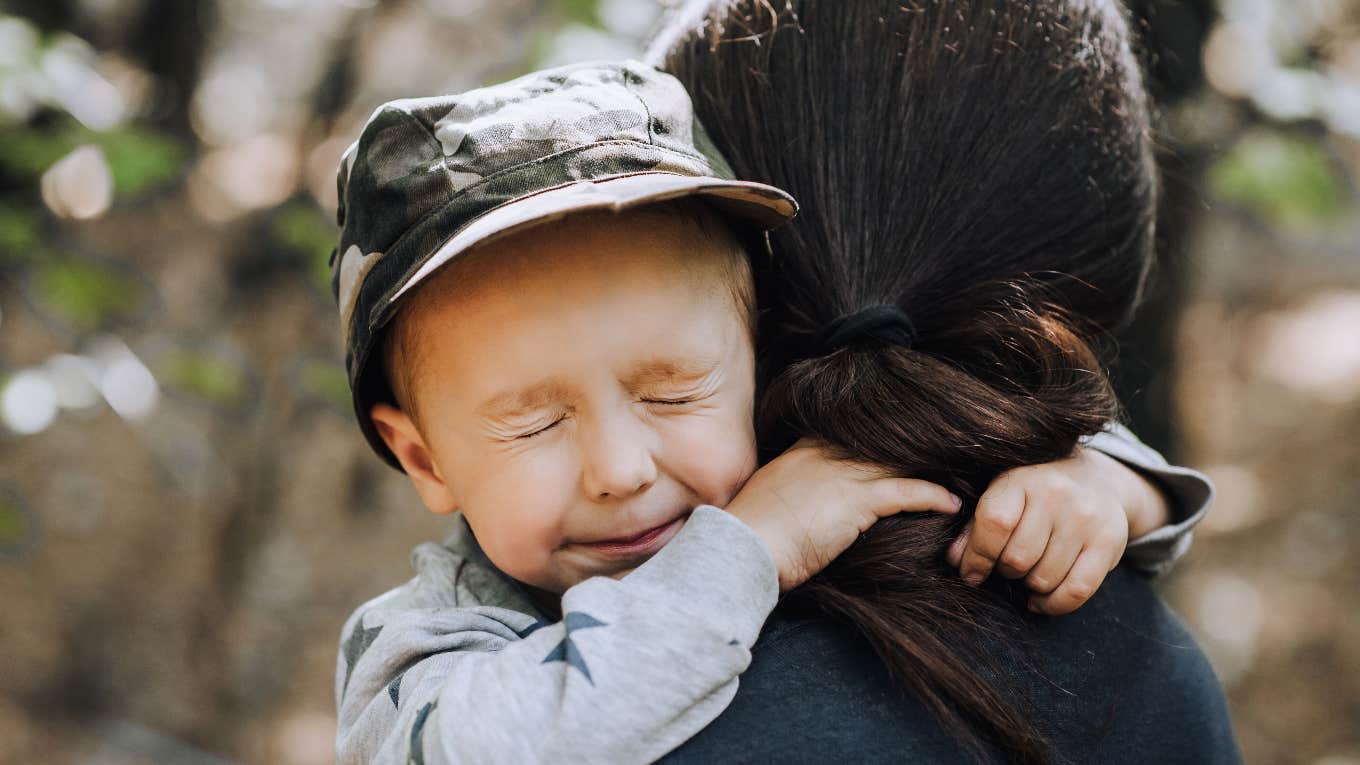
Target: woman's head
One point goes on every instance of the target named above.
(985, 166)
(975, 139)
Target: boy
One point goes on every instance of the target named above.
(551, 334)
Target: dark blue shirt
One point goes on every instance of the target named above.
(1119, 681)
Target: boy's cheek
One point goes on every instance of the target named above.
(743, 475)
(518, 516)
(521, 551)
(715, 460)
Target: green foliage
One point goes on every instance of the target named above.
(26, 152)
(1288, 180)
(140, 159)
(16, 524)
(19, 234)
(206, 377)
(540, 38)
(85, 295)
(324, 381)
(581, 11)
(305, 230)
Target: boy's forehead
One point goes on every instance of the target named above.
(507, 282)
(645, 263)
(581, 250)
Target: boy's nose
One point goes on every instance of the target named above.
(619, 459)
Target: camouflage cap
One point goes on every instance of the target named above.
(430, 178)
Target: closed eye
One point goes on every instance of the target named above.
(693, 397)
(541, 430)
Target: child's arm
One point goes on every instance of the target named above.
(1186, 493)
(1063, 525)
(638, 664)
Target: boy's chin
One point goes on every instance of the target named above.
(610, 573)
(560, 588)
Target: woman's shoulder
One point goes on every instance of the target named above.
(815, 692)
(1126, 682)
(1120, 680)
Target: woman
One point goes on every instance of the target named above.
(977, 190)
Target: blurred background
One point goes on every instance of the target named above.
(188, 512)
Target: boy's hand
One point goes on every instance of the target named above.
(1061, 526)
(809, 507)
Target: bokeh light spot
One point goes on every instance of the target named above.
(29, 403)
(129, 388)
(79, 185)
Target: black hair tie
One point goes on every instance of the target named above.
(880, 322)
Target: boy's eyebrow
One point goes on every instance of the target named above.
(652, 372)
(670, 371)
(513, 402)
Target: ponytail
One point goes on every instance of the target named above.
(978, 175)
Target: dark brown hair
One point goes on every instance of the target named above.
(985, 166)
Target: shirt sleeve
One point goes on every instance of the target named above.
(1189, 494)
(635, 667)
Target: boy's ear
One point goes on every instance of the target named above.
(400, 434)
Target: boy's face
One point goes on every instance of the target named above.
(578, 389)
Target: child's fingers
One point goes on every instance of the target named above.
(954, 555)
(998, 512)
(1054, 566)
(896, 495)
(1081, 583)
(1026, 546)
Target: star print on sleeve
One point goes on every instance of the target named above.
(417, 756)
(394, 688)
(566, 650)
(358, 642)
(531, 629)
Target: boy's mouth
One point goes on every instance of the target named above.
(642, 544)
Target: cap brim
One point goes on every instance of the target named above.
(762, 205)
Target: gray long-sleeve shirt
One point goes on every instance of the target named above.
(460, 665)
